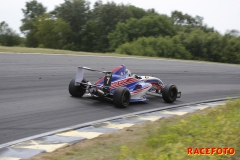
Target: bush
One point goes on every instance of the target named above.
(211, 46)
(160, 47)
(231, 52)
(7, 36)
(196, 45)
(157, 25)
(71, 47)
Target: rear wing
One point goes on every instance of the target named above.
(80, 75)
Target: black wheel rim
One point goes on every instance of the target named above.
(173, 94)
(126, 98)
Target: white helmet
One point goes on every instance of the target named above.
(128, 72)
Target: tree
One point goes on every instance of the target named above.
(139, 12)
(33, 10)
(99, 21)
(91, 37)
(51, 32)
(203, 45)
(74, 12)
(181, 19)
(232, 33)
(106, 16)
(7, 36)
(158, 25)
(186, 23)
(231, 52)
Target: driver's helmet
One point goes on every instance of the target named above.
(128, 73)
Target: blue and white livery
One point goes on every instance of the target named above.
(121, 87)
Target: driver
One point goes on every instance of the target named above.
(128, 73)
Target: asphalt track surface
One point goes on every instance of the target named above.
(34, 94)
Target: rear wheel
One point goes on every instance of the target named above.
(169, 93)
(121, 97)
(77, 91)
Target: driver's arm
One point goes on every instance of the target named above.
(136, 76)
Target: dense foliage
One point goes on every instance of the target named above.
(7, 36)
(197, 45)
(51, 32)
(193, 40)
(157, 47)
(32, 11)
(125, 29)
(145, 27)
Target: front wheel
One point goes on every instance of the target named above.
(121, 97)
(169, 93)
(77, 91)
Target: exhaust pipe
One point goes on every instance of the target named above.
(94, 90)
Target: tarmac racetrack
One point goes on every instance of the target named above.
(34, 94)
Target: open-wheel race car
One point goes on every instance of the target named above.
(122, 87)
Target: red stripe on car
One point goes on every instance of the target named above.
(123, 82)
(139, 90)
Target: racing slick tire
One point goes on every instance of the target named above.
(169, 93)
(121, 97)
(77, 91)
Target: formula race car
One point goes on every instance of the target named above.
(121, 87)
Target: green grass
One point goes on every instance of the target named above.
(46, 51)
(55, 51)
(217, 128)
(165, 139)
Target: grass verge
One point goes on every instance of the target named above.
(165, 139)
(48, 51)
(55, 51)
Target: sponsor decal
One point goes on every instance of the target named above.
(211, 151)
(123, 82)
(139, 90)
